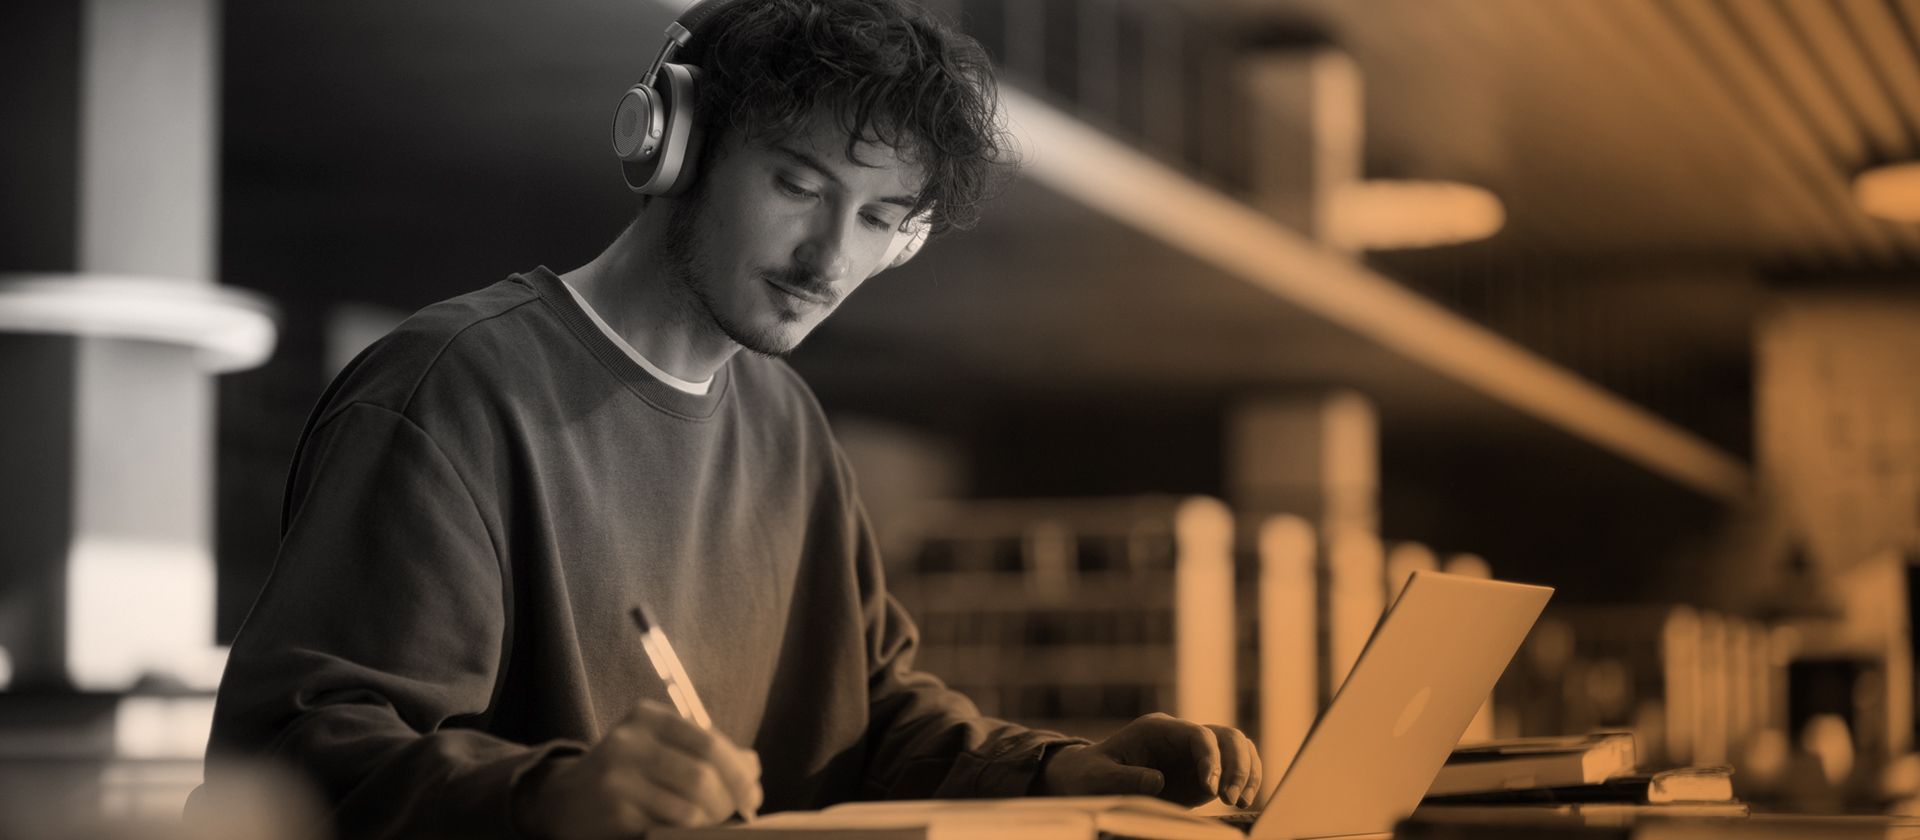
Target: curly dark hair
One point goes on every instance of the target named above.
(892, 73)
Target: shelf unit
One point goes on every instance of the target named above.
(1077, 615)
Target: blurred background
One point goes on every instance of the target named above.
(1291, 298)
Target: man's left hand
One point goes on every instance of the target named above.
(1159, 755)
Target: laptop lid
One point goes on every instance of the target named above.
(1431, 662)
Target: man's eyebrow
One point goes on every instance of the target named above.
(811, 162)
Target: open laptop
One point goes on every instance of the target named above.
(1429, 665)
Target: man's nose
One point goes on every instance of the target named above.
(824, 251)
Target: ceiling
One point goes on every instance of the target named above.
(1665, 165)
(1703, 127)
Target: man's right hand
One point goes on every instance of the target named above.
(653, 769)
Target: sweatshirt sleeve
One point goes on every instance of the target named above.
(929, 741)
(378, 634)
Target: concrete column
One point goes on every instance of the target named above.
(111, 354)
(1316, 457)
(148, 141)
(1312, 455)
(1289, 655)
(1304, 115)
(1203, 616)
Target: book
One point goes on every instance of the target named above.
(1030, 818)
(1753, 827)
(1683, 784)
(1514, 763)
(1597, 814)
(1623, 813)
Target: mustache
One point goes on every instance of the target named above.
(805, 281)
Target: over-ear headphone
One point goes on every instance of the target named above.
(908, 242)
(656, 127)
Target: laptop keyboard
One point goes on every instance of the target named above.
(1242, 820)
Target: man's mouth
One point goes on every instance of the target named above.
(814, 296)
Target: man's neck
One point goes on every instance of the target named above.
(656, 315)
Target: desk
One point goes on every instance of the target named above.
(1756, 827)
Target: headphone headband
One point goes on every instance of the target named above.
(697, 15)
(682, 30)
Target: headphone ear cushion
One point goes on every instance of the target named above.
(907, 243)
(916, 239)
(685, 129)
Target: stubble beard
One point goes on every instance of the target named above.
(682, 254)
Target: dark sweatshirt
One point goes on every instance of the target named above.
(477, 503)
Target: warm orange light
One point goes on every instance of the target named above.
(1384, 215)
(1890, 192)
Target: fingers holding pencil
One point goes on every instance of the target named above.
(745, 773)
(653, 769)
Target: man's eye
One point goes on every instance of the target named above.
(876, 222)
(793, 189)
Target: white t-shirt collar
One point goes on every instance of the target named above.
(689, 386)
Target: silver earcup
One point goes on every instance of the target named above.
(673, 104)
(637, 124)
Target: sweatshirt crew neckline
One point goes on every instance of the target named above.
(644, 385)
(701, 387)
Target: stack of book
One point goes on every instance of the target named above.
(1594, 779)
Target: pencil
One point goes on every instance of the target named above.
(667, 665)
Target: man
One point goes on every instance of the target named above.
(484, 495)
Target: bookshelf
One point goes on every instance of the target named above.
(1077, 615)
(1696, 686)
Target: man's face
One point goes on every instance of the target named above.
(775, 235)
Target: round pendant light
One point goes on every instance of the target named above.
(1890, 192)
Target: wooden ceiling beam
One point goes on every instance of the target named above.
(1910, 12)
(1578, 58)
(1503, 32)
(1743, 83)
(1874, 23)
(1843, 57)
(1656, 51)
(1462, 41)
(1787, 61)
